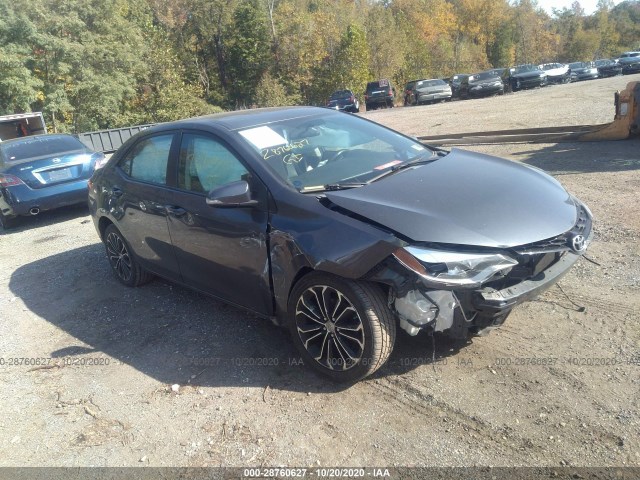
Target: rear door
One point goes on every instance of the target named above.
(136, 196)
(221, 251)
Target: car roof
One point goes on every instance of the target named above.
(242, 119)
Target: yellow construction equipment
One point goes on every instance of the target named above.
(626, 124)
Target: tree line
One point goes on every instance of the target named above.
(97, 64)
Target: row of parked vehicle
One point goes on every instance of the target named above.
(496, 81)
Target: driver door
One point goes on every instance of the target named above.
(220, 251)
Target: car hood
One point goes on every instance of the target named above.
(465, 198)
(486, 81)
(531, 74)
(583, 69)
(557, 71)
(433, 88)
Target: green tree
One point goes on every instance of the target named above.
(19, 87)
(249, 52)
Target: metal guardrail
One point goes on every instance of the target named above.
(108, 141)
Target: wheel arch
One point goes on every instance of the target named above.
(103, 223)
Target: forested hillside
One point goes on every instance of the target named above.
(94, 64)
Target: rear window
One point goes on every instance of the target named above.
(379, 85)
(39, 146)
(341, 94)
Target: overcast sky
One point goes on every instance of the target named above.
(588, 5)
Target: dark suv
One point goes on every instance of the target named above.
(344, 100)
(379, 93)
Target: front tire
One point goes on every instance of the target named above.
(122, 260)
(342, 328)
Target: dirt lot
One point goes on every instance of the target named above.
(559, 384)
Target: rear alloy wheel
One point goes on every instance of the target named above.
(124, 265)
(342, 328)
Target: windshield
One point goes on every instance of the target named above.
(330, 148)
(526, 68)
(430, 83)
(39, 146)
(482, 76)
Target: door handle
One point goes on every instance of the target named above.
(116, 192)
(175, 211)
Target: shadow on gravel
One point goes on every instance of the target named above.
(47, 218)
(585, 157)
(176, 335)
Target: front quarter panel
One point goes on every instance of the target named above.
(319, 239)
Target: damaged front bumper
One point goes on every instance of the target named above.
(495, 302)
(458, 311)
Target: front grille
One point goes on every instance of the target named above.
(538, 256)
(563, 242)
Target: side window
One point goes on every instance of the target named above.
(206, 164)
(147, 160)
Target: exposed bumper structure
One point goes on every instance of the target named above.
(500, 301)
(456, 311)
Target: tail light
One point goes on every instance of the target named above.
(390, 92)
(100, 160)
(352, 98)
(7, 180)
(366, 97)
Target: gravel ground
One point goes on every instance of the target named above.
(558, 384)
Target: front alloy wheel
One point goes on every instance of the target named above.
(344, 329)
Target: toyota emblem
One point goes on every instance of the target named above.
(577, 243)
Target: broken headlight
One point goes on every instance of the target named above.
(454, 268)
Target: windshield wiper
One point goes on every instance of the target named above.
(331, 187)
(419, 160)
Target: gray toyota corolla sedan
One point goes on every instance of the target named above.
(335, 227)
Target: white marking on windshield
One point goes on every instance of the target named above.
(263, 137)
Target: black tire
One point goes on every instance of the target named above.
(346, 353)
(7, 222)
(122, 259)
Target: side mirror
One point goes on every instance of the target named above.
(232, 195)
